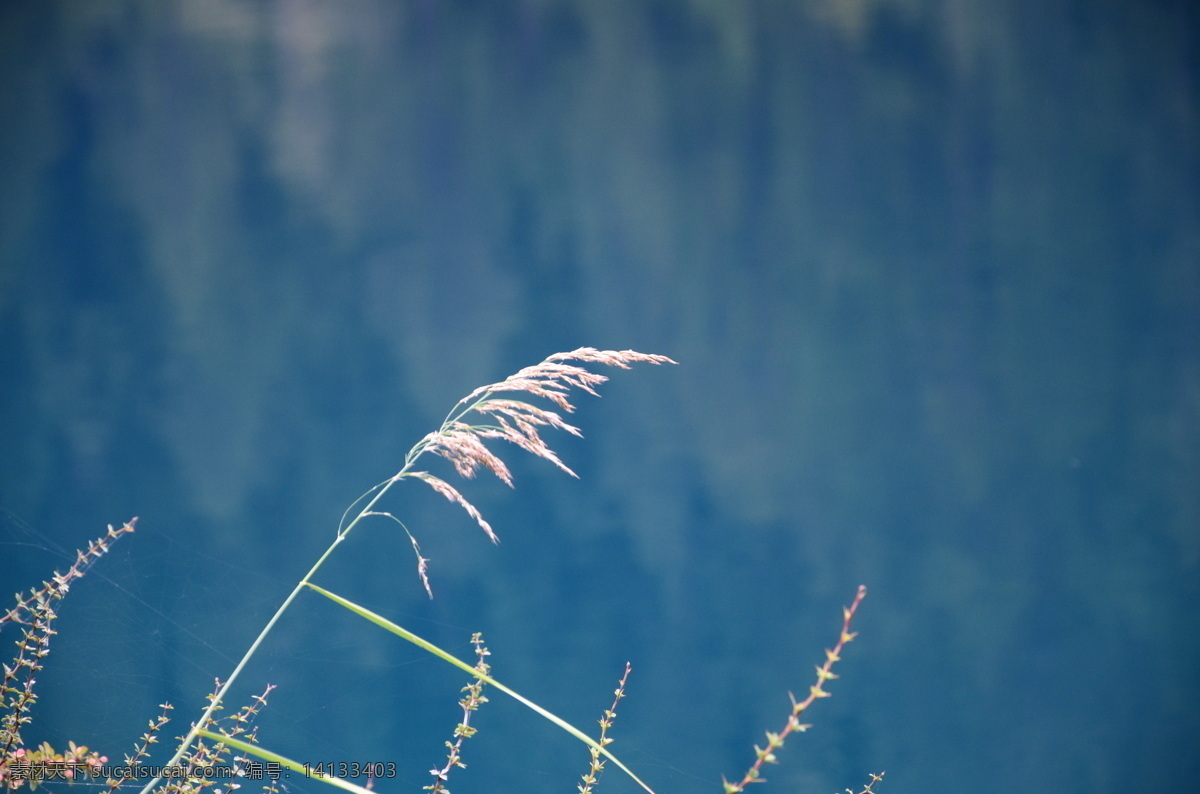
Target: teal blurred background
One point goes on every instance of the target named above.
(931, 271)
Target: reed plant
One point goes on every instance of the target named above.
(503, 411)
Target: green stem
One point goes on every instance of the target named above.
(409, 459)
(205, 718)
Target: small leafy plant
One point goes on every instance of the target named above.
(500, 411)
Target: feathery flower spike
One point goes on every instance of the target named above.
(500, 416)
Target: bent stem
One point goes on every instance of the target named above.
(512, 420)
(380, 490)
(206, 718)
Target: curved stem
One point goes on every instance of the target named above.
(206, 717)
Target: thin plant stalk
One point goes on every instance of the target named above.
(206, 717)
(516, 422)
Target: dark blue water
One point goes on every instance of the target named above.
(932, 276)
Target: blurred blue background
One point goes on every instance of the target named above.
(931, 271)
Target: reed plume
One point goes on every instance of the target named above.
(501, 417)
(497, 411)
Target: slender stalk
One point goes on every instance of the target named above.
(203, 722)
(206, 717)
(465, 450)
